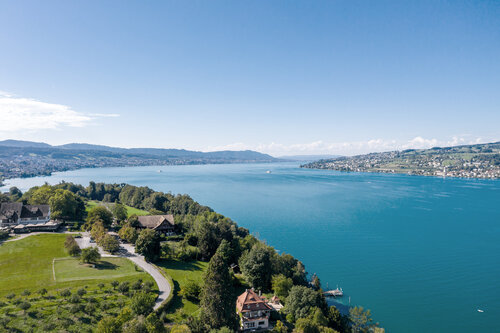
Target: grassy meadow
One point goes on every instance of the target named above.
(130, 210)
(76, 301)
(181, 273)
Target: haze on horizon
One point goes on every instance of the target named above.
(279, 77)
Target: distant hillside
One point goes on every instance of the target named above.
(308, 157)
(26, 159)
(474, 161)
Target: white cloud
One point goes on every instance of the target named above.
(20, 114)
(350, 148)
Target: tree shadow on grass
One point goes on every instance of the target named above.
(176, 302)
(180, 265)
(102, 265)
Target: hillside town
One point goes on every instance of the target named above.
(477, 161)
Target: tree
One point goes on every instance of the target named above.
(154, 324)
(65, 204)
(361, 319)
(98, 231)
(120, 212)
(100, 213)
(41, 195)
(207, 240)
(300, 300)
(142, 303)
(148, 244)
(108, 325)
(90, 255)
(336, 320)
(281, 285)
(306, 325)
(217, 303)
(136, 325)
(72, 246)
(109, 243)
(280, 327)
(256, 266)
(128, 234)
(191, 291)
(315, 282)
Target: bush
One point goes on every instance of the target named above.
(191, 291)
(65, 293)
(142, 303)
(123, 287)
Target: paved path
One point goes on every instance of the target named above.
(126, 251)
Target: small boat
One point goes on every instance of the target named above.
(159, 170)
(268, 171)
(479, 310)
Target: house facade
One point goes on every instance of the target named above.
(253, 310)
(15, 213)
(160, 223)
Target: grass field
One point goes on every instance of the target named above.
(182, 272)
(130, 210)
(27, 264)
(70, 269)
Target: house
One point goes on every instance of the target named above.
(253, 310)
(275, 303)
(14, 213)
(160, 223)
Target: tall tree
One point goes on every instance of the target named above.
(148, 244)
(256, 266)
(100, 213)
(217, 301)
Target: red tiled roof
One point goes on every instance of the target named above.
(251, 301)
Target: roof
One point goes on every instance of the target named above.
(156, 221)
(251, 301)
(15, 210)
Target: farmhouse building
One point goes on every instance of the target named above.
(254, 311)
(159, 223)
(15, 213)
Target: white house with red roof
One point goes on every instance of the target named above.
(253, 310)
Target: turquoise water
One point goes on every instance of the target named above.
(422, 253)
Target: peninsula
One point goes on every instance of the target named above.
(470, 161)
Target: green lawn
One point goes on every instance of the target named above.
(26, 267)
(27, 264)
(182, 272)
(130, 210)
(70, 269)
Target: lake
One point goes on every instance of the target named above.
(423, 253)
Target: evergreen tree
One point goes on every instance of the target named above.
(217, 301)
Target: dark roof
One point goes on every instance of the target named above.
(157, 222)
(15, 210)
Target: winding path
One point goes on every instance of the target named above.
(126, 251)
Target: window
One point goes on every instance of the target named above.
(251, 324)
(262, 323)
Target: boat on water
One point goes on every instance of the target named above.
(335, 292)
(268, 171)
(479, 310)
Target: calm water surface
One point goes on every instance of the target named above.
(422, 253)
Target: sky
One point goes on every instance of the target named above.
(279, 77)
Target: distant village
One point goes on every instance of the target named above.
(479, 161)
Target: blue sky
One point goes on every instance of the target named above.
(281, 77)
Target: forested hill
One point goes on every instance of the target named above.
(27, 159)
(472, 161)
